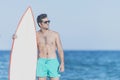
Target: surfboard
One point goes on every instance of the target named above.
(23, 56)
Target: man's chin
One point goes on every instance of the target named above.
(46, 28)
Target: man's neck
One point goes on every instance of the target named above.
(44, 30)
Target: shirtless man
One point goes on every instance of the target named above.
(47, 42)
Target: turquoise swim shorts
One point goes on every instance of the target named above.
(47, 67)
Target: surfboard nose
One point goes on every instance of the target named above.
(28, 10)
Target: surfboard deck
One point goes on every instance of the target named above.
(23, 56)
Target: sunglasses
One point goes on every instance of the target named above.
(45, 22)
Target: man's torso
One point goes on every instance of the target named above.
(46, 44)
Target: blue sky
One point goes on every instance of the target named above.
(82, 24)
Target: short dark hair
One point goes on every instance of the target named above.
(40, 17)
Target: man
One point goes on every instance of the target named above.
(47, 42)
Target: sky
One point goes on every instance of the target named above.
(82, 24)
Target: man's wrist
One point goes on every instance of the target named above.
(62, 62)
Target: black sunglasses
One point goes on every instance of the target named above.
(45, 22)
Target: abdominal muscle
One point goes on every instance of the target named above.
(47, 51)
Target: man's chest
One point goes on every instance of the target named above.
(48, 39)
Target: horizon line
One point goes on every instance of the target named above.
(76, 50)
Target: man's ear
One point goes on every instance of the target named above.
(40, 24)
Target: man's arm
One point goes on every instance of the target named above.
(60, 52)
(37, 35)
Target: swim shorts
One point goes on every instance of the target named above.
(47, 67)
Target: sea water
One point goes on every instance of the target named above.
(79, 65)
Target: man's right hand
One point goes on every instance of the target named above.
(14, 36)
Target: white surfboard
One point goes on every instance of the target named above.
(23, 58)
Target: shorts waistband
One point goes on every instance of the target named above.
(48, 58)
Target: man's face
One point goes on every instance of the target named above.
(44, 24)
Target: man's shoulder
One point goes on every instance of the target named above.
(54, 32)
(37, 32)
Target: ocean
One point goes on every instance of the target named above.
(80, 65)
